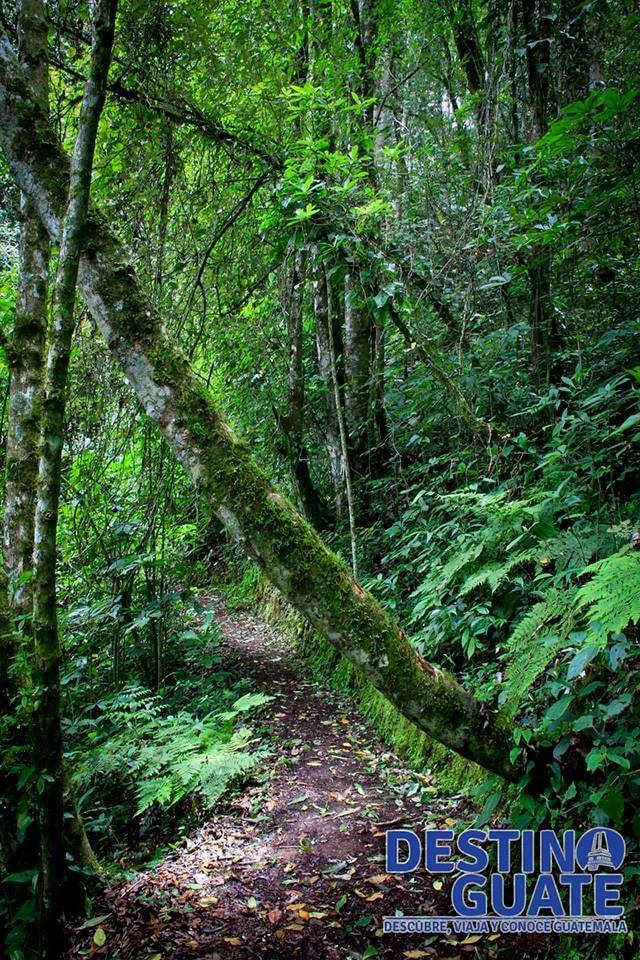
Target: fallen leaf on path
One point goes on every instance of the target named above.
(99, 937)
(94, 921)
(275, 915)
(378, 895)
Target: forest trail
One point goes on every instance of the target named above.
(295, 869)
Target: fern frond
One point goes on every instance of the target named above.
(573, 549)
(493, 574)
(612, 596)
(535, 642)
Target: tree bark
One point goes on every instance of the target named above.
(357, 368)
(260, 519)
(47, 732)
(467, 41)
(308, 498)
(323, 345)
(26, 364)
(7, 786)
(545, 336)
(25, 357)
(26, 353)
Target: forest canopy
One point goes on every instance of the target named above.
(334, 299)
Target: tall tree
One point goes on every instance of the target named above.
(24, 349)
(537, 21)
(47, 734)
(293, 420)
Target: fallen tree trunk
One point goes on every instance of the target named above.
(260, 519)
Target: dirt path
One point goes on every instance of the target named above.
(296, 870)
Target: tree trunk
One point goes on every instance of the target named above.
(25, 357)
(465, 36)
(47, 733)
(357, 368)
(7, 786)
(325, 360)
(260, 519)
(545, 337)
(26, 364)
(292, 423)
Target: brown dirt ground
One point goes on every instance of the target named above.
(295, 869)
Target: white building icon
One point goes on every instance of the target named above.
(599, 855)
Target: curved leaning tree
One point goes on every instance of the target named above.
(256, 515)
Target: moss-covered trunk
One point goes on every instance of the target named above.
(47, 729)
(292, 555)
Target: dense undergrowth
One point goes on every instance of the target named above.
(527, 587)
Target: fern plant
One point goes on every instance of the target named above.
(612, 596)
(534, 643)
(152, 756)
(609, 600)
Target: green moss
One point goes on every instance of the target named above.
(453, 773)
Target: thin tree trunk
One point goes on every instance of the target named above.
(25, 357)
(344, 442)
(357, 367)
(292, 423)
(465, 35)
(47, 733)
(325, 360)
(26, 365)
(545, 338)
(7, 786)
(378, 439)
(259, 518)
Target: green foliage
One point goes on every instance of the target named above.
(536, 640)
(140, 749)
(611, 597)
